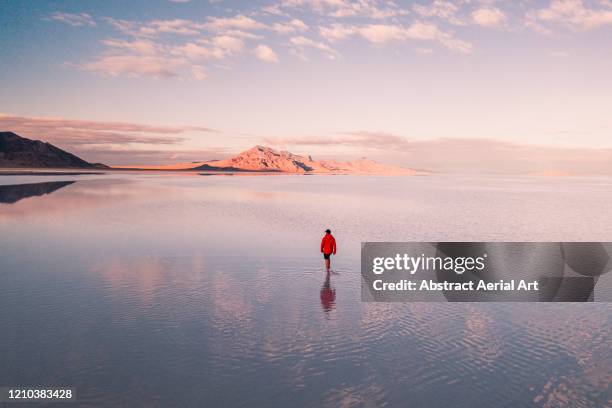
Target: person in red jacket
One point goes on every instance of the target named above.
(328, 247)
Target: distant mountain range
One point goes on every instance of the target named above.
(266, 159)
(17, 151)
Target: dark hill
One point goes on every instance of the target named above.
(17, 151)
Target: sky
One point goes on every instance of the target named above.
(457, 85)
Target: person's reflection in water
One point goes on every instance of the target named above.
(328, 295)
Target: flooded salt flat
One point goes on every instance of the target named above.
(146, 289)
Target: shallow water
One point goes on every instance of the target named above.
(145, 289)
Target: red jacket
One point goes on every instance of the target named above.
(328, 244)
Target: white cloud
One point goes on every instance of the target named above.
(245, 35)
(155, 27)
(265, 53)
(217, 48)
(573, 14)
(336, 32)
(124, 26)
(229, 44)
(139, 46)
(274, 9)
(176, 26)
(382, 33)
(75, 20)
(134, 65)
(376, 9)
(185, 27)
(443, 10)
(488, 17)
(148, 52)
(385, 33)
(291, 27)
(166, 48)
(300, 43)
(195, 51)
(144, 57)
(239, 22)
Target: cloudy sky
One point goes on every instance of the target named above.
(457, 85)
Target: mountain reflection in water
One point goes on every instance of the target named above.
(12, 193)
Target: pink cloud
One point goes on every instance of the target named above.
(265, 53)
(117, 156)
(82, 136)
(239, 22)
(386, 33)
(574, 14)
(147, 52)
(375, 9)
(488, 17)
(290, 27)
(7, 120)
(443, 10)
(460, 155)
(134, 65)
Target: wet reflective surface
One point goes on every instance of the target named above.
(146, 290)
